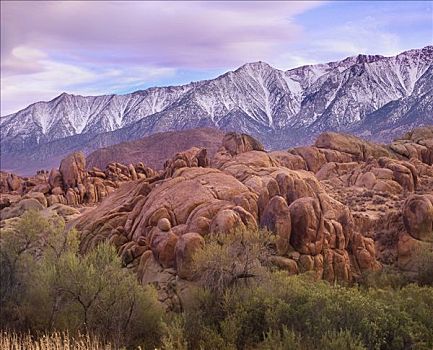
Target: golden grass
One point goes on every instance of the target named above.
(54, 341)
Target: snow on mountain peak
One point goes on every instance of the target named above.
(255, 98)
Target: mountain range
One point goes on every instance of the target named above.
(373, 96)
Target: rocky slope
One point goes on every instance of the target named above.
(153, 150)
(374, 96)
(338, 208)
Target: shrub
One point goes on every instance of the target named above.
(238, 303)
(342, 340)
(384, 278)
(324, 316)
(284, 340)
(174, 338)
(63, 290)
(230, 259)
(92, 293)
(20, 248)
(423, 261)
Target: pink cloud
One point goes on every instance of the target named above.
(51, 46)
(186, 34)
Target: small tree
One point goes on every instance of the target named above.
(50, 286)
(230, 258)
(20, 247)
(93, 294)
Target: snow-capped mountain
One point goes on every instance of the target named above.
(370, 95)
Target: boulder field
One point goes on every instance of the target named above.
(72, 184)
(338, 208)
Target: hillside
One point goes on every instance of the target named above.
(153, 150)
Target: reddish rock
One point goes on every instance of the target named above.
(186, 246)
(194, 157)
(358, 148)
(284, 263)
(236, 143)
(276, 218)
(55, 179)
(226, 221)
(336, 221)
(14, 182)
(163, 245)
(72, 169)
(312, 156)
(418, 216)
(307, 226)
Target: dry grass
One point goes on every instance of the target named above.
(53, 341)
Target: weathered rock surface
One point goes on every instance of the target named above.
(276, 218)
(418, 217)
(72, 169)
(194, 157)
(418, 222)
(247, 188)
(357, 148)
(72, 184)
(389, 195)
(188, 244)
(416, 144)
(338, 208)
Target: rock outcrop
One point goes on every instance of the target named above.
(418, 217)
(418, 222)
(72, 184)
(417, 144)
(339, 208)
(72, 170)
(387, 188)
(245, 188)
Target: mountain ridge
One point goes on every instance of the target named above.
(282, 108)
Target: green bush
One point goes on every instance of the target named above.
(284, 340)
(273, 310)
(174, 338)
(238, 303)
(423, 261)
(384, 279)
(60, 289)
(342, 340)
(20, 248)
(230, 259)
(324, 316)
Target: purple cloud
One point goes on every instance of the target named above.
(177, 34)
(48, 47)
(101, 47)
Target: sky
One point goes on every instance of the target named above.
(104, 47)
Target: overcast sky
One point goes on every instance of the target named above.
(93, 48)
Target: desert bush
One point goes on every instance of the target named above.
(271, 310)
(60, 289)
(174, 335)
(285, 309)
(423, 262)
(230, 259)
(92, 293)
(416, 302)
(238, 303)
(20, 249)
(387, 277)
(281, 340)
(341, 340)
(202, 316)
